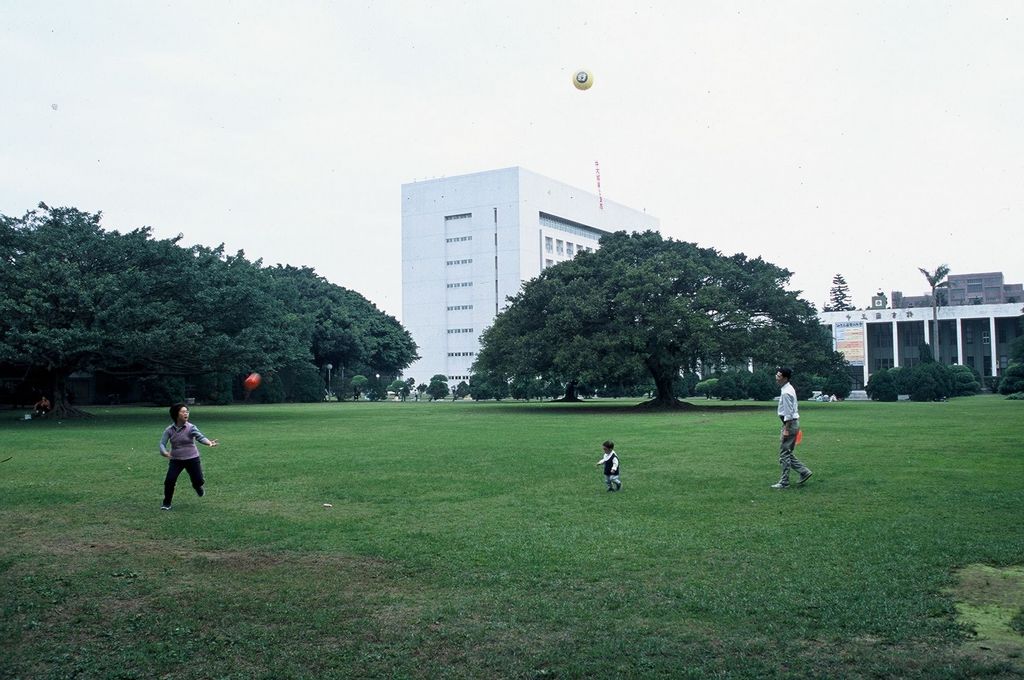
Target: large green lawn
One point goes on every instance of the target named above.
(477, 540)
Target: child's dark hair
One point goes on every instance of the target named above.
(175, 408)
(608, 444)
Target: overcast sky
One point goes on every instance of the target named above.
(862, 138)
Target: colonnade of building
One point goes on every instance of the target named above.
(978, 336)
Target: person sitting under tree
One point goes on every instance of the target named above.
(42, 407)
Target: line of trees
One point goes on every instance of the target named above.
(75, 297)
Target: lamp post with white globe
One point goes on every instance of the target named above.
(329, 392)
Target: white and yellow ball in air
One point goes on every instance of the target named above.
(583, 80)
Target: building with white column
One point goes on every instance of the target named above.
(471, 241)
(977, 335)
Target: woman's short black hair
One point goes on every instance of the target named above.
(175, 408)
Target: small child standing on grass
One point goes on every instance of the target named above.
(611, 466)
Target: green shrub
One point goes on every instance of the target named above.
(839, 384)
(900, 379)
(761, 386)
(709, 387)
(929, 382)
(882, 386)
(733, 385)
(966, 381)
(1012, 380)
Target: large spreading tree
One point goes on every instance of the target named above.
(645, 304)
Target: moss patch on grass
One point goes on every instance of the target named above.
(990, 602)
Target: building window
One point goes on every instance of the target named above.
(569, 249)
(461, 284)
(458, 308)
(984, 337)
(559, 247)
(548, 263)
(461, 216)
(968, 335)
(458, 239)
(455, 262)
(548, 245)
(459, 330)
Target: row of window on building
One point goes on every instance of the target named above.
(557, 246)
(460, 284)
(462, 354)
(455, 262)
(458, 239)
(916, 337)
(458, 308)
(459, 330)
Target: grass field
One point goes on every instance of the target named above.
(477, 540)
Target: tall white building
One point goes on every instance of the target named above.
(469, 242)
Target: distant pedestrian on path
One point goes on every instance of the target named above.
(611, 466)
(790, 417)
(179, 445)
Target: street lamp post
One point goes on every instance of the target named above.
(329, 367)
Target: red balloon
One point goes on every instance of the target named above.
(252, 381)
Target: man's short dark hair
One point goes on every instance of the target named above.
(786, 372)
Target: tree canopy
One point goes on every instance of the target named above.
(75, 297)
(642, 304)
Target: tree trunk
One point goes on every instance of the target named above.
(62, 408)
(664, 398)
(570, 392)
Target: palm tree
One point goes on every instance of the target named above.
(935, 281)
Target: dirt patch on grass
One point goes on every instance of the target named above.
(990, 602)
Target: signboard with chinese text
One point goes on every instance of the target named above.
(849, 337)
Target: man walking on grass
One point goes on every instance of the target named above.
(790, 417)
